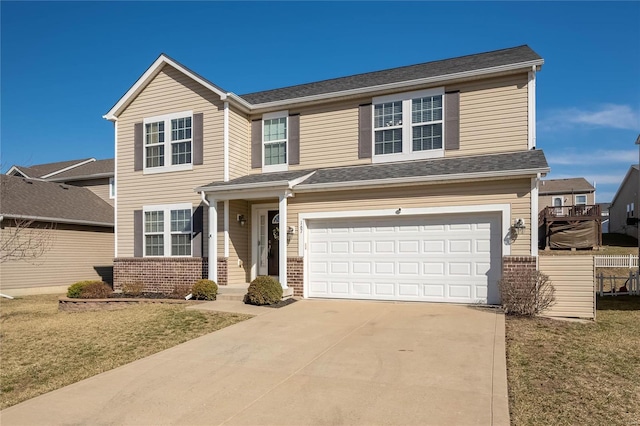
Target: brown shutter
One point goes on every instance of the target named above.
(293, 155)
(365, 135)
(197, 227)
(197, 139)
(452, 120)
(138, 153)
(256, 144)
(138, 236)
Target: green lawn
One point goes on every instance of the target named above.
(572, 373)
(42, 349)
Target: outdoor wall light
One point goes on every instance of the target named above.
(242, 220)
(519, 225)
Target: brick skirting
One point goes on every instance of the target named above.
(159, 275)
(223, 271)
(295, 274)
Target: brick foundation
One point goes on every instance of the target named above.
(160, 275)
(223, 271)
(516, 266)
(295, 274)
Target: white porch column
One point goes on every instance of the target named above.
(213, 240)
(282, 267)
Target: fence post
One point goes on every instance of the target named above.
(630, 260)
(601, 279)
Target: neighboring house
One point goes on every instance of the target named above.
(73, 232)
(565, 192)
(624, 205)
(412, 183)
(604, 214)
(95, 175)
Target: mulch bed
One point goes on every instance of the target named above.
(282, 303)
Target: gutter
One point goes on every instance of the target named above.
(57, 220)
(85, 177)
(285, 184)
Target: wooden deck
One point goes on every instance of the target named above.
(570, 215)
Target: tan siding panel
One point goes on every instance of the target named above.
(239, 259)
(100, 187)
(573, 280)
(514, 192)
(238, 144)
(169, 92)
(75, 252)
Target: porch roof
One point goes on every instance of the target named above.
(411, 172)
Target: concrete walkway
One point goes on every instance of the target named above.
(313, 362)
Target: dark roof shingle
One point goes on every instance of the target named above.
(444, 67)
(67, 203)
(556, 186)
(94, 168)
(39, 170)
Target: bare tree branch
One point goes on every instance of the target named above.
(25, 240)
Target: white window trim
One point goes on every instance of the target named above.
(275, 167)
(166, 208)
(407, 144)
(112, 188)
(168, 167)
(578, 203)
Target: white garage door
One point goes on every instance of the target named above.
(443, 258)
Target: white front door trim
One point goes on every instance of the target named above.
(503, 209)
(256, 210)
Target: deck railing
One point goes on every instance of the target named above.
(619, 261)
(580, 211)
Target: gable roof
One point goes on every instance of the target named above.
(564, 186)
(52, 202)
(93, 170)
(401, 173)
(624, 180)
(440, 68)
(42, 170)
(504, 60)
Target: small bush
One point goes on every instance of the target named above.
(134, 289)
(264, 290)
(526, 293)
(96, 290)
(75, 290)
(181, 290)
(204, 290)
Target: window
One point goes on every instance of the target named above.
(581, 200)
(112, 188)
(409, 125)
(274, 141)
(167, 230)
(164, 135)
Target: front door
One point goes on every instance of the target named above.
(273, 243)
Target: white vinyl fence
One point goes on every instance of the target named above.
(622, 261)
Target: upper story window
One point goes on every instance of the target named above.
(168, 142)
(408, 126)
(274, 141)
(167, 230)
(581, 200)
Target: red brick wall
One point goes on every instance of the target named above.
(295, 274)
(159, 275)
(223, 271)
(513, 266)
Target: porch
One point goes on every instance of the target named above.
(570, 227)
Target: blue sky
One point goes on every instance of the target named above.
(64, 64)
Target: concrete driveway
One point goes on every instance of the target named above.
(314, 362)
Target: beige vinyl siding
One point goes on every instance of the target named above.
(74, 254)
(239, 260)
(169, 92)
(515, 192)
(239, 144)
(573, 280)
(100, 187)
(493, 115)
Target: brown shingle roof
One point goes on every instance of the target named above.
(57, 202)
(564, 186)
(39, 170)
(98, 168)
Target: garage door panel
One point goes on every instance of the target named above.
(433, 258)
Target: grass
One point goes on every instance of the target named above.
(568, 373)
(612, 244)
(43, 349)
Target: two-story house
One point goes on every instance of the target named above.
(566, 192)
(409, 183)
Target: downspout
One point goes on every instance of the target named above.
(115, 188)
(534, 215)
(531, 92)
(225, 176)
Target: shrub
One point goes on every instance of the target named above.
(134, 289)
(181, 290)
(96, 290)
(204, 290)
(264, 290)
(75, 290)
(526, 292)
